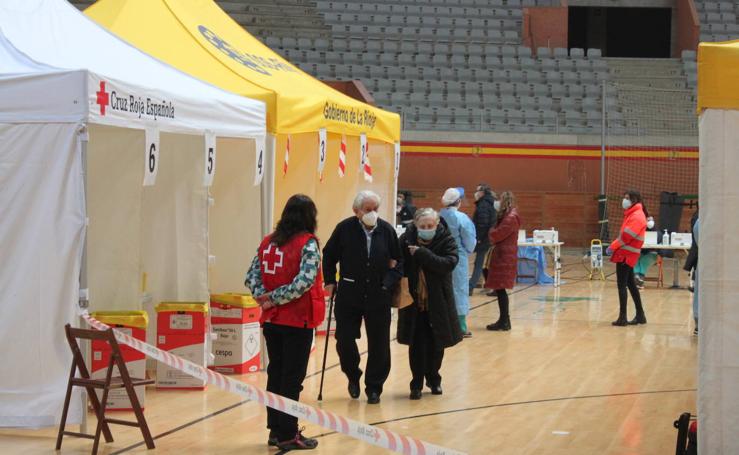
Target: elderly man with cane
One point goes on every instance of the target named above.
(367, 251)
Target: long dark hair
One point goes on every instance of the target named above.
(634, 197)
(299, 215)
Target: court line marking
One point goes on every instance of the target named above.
(315, 373)
(518, 403)
(233, 406)
(183, 426)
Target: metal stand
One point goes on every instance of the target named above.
(596, 259)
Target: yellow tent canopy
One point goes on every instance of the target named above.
(197, 37)
(718, 73)
(200, 39)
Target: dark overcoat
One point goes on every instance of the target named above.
(437, 260)
(364, 280)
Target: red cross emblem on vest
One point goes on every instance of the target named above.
(272, 259)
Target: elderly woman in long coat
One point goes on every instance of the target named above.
(504, 257)
(463, 231)
(430, 323)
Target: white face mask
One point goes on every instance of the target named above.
(370, 219)
(478, 195)
(626, 204)
(650, 223)
(496, 205)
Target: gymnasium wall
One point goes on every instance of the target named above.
(545, 27)
(556, 185)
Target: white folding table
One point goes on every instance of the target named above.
(676, 260)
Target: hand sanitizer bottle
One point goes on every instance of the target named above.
(666, 238)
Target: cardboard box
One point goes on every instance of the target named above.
(182, 328)
(132, 323)
(235, 320)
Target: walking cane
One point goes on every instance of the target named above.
(325, 347)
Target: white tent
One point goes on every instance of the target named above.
(85, 119)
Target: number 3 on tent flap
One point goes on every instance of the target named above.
(151, 166)
(210, 159)
(321, 149)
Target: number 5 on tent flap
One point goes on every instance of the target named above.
(151, 158)
(210, 158)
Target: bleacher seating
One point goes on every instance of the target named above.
(460, 64)
(455, 64)
(718, 20)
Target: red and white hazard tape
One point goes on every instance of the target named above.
(367, 433)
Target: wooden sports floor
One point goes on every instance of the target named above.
(562, 381)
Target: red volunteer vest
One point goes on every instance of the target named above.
(279, 266)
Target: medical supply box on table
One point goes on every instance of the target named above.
(681, 239)
(546, 236)
(132, 323)
(235, 323)
(182, 328)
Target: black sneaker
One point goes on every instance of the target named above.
(500, 326)
(299, 442)
(415, 394)
(353, 389)
(272, 439)
(695, 331)
(373, 397)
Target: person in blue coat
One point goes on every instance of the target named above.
(463, 231)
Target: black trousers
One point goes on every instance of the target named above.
(425, 354)
(289, 350)
(625, 280)
(348, 329)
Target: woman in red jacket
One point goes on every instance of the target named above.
(625, 251)
(504, 257)
(285, 278)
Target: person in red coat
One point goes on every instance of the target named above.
(286, 281)
(504, 257)
(625, 252)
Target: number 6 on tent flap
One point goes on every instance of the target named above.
(210, 158)
(151, 161)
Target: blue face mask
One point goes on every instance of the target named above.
(426, 234)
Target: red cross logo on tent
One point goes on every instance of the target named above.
(272, 260)
(102, 98)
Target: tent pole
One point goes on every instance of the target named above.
(268, 201)
(395, 187)
(84, 302)
(268, 184)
